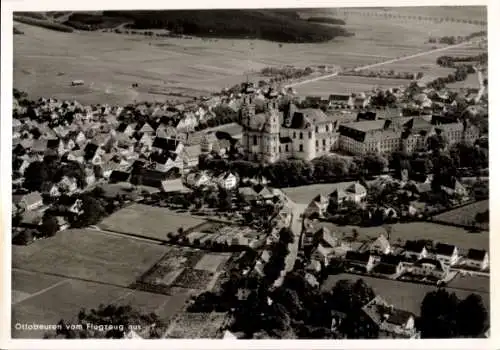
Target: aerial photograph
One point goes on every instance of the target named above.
(290, 173)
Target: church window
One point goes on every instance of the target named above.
(254, 140)
(301, 148)
(324, 142)
(301, 136)
(327, 128)
(310, 134)
(294, 135)
(317, 143)
(286, 148)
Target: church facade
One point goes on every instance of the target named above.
(273, 135)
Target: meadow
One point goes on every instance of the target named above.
(465, 215)
(401, 232)
(89, 255)
(64, 298)
(45, 62)
(404, 295)
(148, 221)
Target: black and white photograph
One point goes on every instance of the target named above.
(314, 173)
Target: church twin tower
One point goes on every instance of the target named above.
(261, 132)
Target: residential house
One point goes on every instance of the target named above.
(126, 129)
(361, 101)
(191, 156)
(429, 268)
(360, 261)
(228, 181)
(318, 206)
(50, 189)
(164, 145)
(119, 176)
(389, 265)
(198, 179)
(145, 129)
(456, 189)
(341, 100)
(390, 321)
(76, 207)
(68, 185)
(55, 147)
(325, 242)
(92, 154)
(165, 161)
(446, 253)
(354, 193)
(476, 259)
(380, 246)
(221, 147)
(248, 193)
(39, 146)
(31, 201)
(415, 250)
(207, 142)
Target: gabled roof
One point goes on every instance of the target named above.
(166, 144)
(477, 255)
(355, 188)
(32, 198)
(326, 237)
(414, 246)
(356, 256)
(445, 249)
(437, 264)
(90, 151)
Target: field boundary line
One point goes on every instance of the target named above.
(69, 278)
(41, 291)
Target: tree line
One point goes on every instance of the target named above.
(295, 172)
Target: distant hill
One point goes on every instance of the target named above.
(274, 25)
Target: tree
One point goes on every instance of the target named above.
(286, 236)
(374, 163)
(121, 317)
(49, 226)
(471, 316)
(35, 175)
(93, 211)
(225, 202)
(438, 313)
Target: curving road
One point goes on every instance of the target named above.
(465, 43)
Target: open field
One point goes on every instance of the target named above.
(57, 299)
(465, 215)
(89, 255)
(348, 85)
(404, 295)
(422, 63)
(148, 221)
(420, 230)
(472, 82)
(110, 63)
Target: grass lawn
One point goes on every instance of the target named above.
(305, 194)
(212, 262)
(65, 300)
(148, 221)
(421, 230)
(404, 295)
(90, 255)
(465, 215)
(45, 61)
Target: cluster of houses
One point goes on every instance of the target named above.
(415, 195)
(205, 180)
(416, 260)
